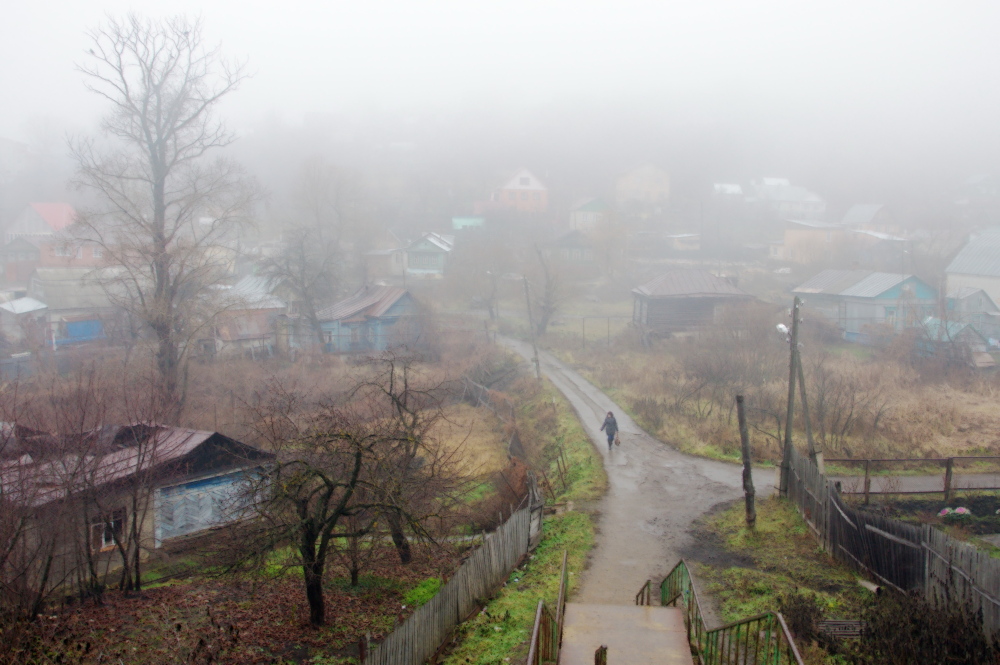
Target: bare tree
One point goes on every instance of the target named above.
(552, 294)
(309, 267)
(417, 475)
(319, 480)
(168, 217)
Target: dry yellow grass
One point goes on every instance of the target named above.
(896, 411)
(478, 435)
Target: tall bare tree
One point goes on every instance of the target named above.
(168, 214)
(309, 267)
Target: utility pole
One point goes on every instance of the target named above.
(531, 326)
(748, 489)
(815, 454)
(786, 453)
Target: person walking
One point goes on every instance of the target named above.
(610, 427)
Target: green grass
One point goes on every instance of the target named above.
(785, 559)
(503, 629)
(423, 592)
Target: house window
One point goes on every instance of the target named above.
(525, 196)
(512, 196)
(106, 529)
(538, 196)
(63, 251)
(98, 252)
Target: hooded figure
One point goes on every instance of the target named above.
(610, 427)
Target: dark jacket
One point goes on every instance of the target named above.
(610, 425)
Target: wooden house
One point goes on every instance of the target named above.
(856, 299)
(83, 493)
(372, 320)
(428, 256)
(683, 300)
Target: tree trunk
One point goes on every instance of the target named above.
(355, 573)
(399, 538)
(313, 573)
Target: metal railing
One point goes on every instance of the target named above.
(546, 634)
(754, 641)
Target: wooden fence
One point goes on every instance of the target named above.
(424, 631)
(903, 556)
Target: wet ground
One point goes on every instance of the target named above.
(655, 495)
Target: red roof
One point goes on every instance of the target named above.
(368, 302)
(56, 215)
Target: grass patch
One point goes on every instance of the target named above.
(421, 593)
(503, 629)
(785, 559)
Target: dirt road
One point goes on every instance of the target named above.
(655, 493)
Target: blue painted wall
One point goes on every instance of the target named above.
(372, 334)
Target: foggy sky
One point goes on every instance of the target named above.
(852, 80)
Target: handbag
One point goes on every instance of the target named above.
(618, 440)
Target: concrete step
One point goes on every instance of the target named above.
(635, 634)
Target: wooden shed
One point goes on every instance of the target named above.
(682, 300)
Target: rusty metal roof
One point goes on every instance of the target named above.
(44, 481)
(369, 302)
(689, 283)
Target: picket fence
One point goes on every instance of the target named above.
(904, 556)
(424, 631)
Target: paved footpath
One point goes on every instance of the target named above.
(655, 492)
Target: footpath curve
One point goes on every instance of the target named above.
(654, 493)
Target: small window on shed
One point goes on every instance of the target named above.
(106, 529)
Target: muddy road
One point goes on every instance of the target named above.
(654, 494)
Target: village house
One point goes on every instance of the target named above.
(23, 320)
(780, 199)
(956, 341)
(40, 220)
(683, 300)
(372, 320)
(974, 306)
(20, 257)
(522, 192)
(78, 307)
(977, 264)
(588, 215)
(247, 327)
(387, 259)
(646, 187)
(857, 299)
(428, 256)
(183, 482)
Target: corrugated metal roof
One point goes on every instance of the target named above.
(857, 283)
(861, 214)
(368, 302)
(980, 256)
(686, 283)
(812, 224)
(254, 292)
(23, 306)
(48, 481)
(831, 282)
(875, 284)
